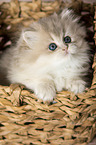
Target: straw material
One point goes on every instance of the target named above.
(71, 120)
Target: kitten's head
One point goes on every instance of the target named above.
(56, 35)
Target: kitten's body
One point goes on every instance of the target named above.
(44, 71)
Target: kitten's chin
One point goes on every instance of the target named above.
(62, 53)
(62, 56)
(65, 53)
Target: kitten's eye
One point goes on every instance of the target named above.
(67, 39)
(52, 46)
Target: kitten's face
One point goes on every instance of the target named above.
(57, 35)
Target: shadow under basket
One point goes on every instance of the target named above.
(71, 119)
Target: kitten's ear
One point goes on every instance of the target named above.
(66, 12)
(30, 37)
(69, 14)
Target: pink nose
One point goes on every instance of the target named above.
(65, 48)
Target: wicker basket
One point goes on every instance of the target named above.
(24, 120)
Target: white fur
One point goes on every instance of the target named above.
(31, 62)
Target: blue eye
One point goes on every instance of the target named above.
(52, 46)
(67, 39)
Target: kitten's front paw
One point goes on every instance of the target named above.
(45, 92)
(76, 86)
(60, 83)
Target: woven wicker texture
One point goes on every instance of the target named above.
(71, 120)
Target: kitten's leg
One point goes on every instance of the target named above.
(76, 85)
(45, 90)
(60, 83)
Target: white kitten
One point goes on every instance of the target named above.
(50, 55)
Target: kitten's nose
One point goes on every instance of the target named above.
(65, 48)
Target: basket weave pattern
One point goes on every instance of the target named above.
(24, 120)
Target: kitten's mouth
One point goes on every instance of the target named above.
(65, 51)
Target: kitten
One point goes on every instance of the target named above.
(50, 55)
